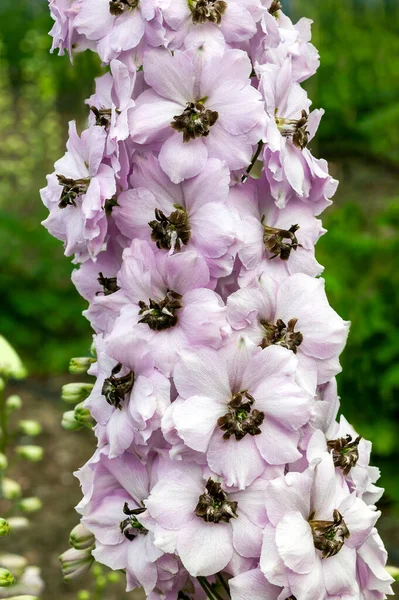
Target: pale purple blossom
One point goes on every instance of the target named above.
(198, 107)
(294, 314)
(241, 407)
(180, 217)
(77, 194)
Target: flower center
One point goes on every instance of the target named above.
(295, 129)
(103, 116)
(207, 10)
(109, 284)
(117, 7)
(280, 242)
(170, 232)
(345, 452)
(161, 315)
(195, 121)
(275, 7)
(241, 418)
(72, 189)
(214, 506)
(280, 334)
(115, 388)
(131, 527)
(329, 536)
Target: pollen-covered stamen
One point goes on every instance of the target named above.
(114, 388)
(295, 129)
(72, 189)
(103, 116)
(345, 452)
(117, 7)
(214, 505)
(131, 527)
(109, 284)
(161, 315)
(280, 242)
(195, 121)
(275, 7)
(242, 418)
(170, 232)
(207, 10)
(329, 536)
(280, 334)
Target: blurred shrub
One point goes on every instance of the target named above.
(362, 279)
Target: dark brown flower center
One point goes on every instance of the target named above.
(275, 7)
(195, 121)
(115, 388)
(131, 527)
(109, 284)
(170, 232)
(280, 242)
(329, 536)
(280, 334)
(214, 506)
(117, 7)
(295, 129)
(345, 452)
(161, 315)
(242, 418)
(207, 10)
(103, 116)
(72, 189)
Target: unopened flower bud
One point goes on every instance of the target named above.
(30, 427)
(82, 415)
(13, 402)
(83, 595)
(13, 562)
(18, 523)
(72, 393)
(80, 366)
(114, 577)
(10, 363)
(11, 489)
(3, 462)
(30, 505)
(75, 563)
(393, 571)
(31, 452)
(81, 538)
(4, 527)
(69, 422)
(6, 578)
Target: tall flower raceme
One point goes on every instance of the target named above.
(190, 205)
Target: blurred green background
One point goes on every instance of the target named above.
(357, 84)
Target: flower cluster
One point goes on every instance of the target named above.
(190, 206)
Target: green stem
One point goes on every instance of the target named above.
(253, 161)
(224, 584)
(210, 592)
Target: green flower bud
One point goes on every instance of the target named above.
(101, 582)
(10, 363)
(69, 422)
(6, 578)
(80, 366)
(75, 563)
(3, 462)
(114, 577)
(82, 415)
(11, 489)
(14, 562)
(393, 571)
(4, 527)
(30, 427)
(81, 538)
(72, 393)
(13, 402)
(18, 523)
(83, 595)
(30, 505)
(31, 453)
